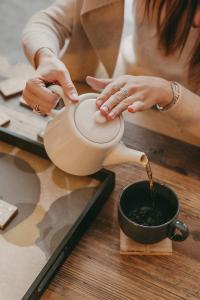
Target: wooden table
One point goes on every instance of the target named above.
(95, 270)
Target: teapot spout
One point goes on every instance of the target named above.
(122, 154)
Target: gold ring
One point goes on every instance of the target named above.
(124, 92)
(37, 109)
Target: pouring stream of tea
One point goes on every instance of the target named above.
(148, 215)
(146, 164)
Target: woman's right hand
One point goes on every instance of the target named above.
(50, 70)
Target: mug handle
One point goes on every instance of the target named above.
(182, 227)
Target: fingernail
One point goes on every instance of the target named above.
(131, 110)
(74, 96)
(100, 97)
(104, 110)
(111, 116)
(99, 103)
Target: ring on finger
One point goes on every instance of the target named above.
(117, 98)
(36, 109)
(121, 95)
(124, 92)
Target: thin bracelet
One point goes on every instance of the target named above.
(176, 90)
(36, 57)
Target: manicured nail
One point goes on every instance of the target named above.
(99, 103)
(101, 97)
(111, 116)
(74, 96)
(104, 109)
(131, 110)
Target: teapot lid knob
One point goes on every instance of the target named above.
(99, 118)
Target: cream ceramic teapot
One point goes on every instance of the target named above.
(80, 141)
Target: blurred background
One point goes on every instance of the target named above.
(14, 14)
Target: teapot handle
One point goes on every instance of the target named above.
(57, 89)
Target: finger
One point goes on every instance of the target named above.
(45, 104)
(123, 105)
(33, 106)
(136, 106)
(97, 84)
(36, 86)
(114, 100)
(69, 89)
(32, 100)
(109, 90)
(117, 110)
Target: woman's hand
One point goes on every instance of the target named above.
(50, 70)
(132, 93)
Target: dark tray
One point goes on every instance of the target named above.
(107, 179)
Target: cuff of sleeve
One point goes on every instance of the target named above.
(31, 44)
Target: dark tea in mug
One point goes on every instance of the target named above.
(150, 217)
(154, 211)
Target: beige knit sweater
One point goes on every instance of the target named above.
(93, 30)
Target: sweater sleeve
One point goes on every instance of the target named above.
(49, 28)
(187, 112)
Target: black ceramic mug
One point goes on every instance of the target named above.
(149, 218)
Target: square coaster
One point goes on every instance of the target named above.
(130, 247)
(12, 86)
(7, 212)
(4, 118)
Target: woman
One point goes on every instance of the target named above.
(166, 46)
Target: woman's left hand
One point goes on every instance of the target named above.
(132, 93)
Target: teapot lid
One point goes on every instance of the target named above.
(92, 125)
